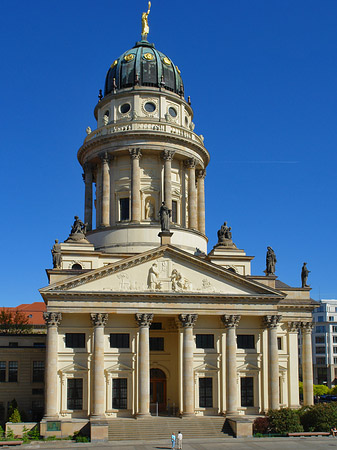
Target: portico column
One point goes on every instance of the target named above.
(192, 194)
(231, 322)
(105, 216)
(144, 322)
(135, 155)
(308, 382)
(88, 195)
(188, 321)
(167, 156)
(98, 320)
(271, 323)
(201, 200)
(293, 392)
(52, 320)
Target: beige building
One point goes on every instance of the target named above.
(139, 319)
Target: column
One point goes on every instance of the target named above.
(231, 322)
(88, 195)
(308, 382)
(98, 320)
(188, 321)
(144, 322)
(201, 200)
(192, 194)
(271, 322)
(98, 202)
(105, 216)
(135, 155)
(167, 156)
(52, 320)
(293, 392)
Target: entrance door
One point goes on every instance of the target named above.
(157, 390)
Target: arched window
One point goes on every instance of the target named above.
(76, 266)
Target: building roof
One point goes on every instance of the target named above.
(34, 311)
(143, 65)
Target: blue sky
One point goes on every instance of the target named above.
(262, 79)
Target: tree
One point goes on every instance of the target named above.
(14, 321)
(321, 389)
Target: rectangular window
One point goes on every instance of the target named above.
(247, 391)
(119, 340)
(13, 371)
(335, 349)
(321, 329)
(38, 371)
(320, 318)
(2, 371)
(335, 361)
(320, 360)
(320, 350)
(75, 340)
(279, 343)
(124, 209)
(119, 393)
(320, 340)
(205, 392)
(205, 340)
(334, 329)
(157, 344)
(39, 345)
(331, 319)
(156, 326)
(174, 211)
(322, 374)
(246, 341)
(75, 393)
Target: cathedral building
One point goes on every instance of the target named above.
(140, 316)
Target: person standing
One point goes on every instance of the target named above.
(180, 440)
(173, 440)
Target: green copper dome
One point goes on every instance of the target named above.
(143, 65)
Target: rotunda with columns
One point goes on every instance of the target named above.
(142, 320)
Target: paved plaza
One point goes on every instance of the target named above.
(312, 443)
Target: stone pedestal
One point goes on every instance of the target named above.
(165, 237)
(188, 321)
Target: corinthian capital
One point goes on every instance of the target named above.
(190, 163)
(135, 153)
(188, 320)
(167, 155)
(306, 327)
(201, 173)
(99, 319)
(52, 318)
(230, 321)
(272, 321)
(294, 326)
(143, 320)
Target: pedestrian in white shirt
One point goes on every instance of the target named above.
(180, 440)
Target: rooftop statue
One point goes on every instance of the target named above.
(145, 23)
(270, 262)
(57, 256)
(78, 230)
(164, 214)
(225, 236)
(304, 275)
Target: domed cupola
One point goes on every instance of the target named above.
(143, 65)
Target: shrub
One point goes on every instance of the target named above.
(284, 421)
(261, 425)
(13, 404)
(34, 433)
(15, 417)
(321, 417)
(10, 435)
(1, 432)
(321, 389)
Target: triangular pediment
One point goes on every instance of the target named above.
(163, 270)
(248, 367)
(118, 367)
(73, 368)
(205, 368)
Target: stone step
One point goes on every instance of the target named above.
(163, 427)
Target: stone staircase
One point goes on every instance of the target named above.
(155, 428)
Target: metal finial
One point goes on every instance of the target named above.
(100, 95)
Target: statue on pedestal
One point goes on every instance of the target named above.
(304, 275)
(57, 256)
(225, 236)
(270, 262)
(164, 214)
(78, 230)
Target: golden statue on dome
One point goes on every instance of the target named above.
(145, 23)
